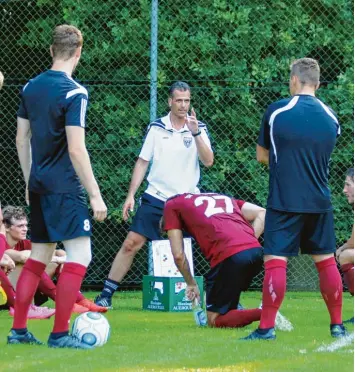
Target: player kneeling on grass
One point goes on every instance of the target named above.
(19, 249)
(227, 232)
(345, 253)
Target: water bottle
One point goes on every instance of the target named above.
(199, 313)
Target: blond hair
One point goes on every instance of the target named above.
(307, 70)
(66, 40)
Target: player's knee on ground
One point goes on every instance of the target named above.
(346, 257)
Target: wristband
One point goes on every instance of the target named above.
(196, 134)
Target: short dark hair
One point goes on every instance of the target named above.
(10, 213)
(307, 70)
(179, 85)
(350, 173)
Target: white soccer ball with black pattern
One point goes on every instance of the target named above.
(91, 328)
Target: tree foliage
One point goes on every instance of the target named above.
(235, 55)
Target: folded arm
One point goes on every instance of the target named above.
(256, 216)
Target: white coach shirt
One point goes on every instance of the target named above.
(174, 159)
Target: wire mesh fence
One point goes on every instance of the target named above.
(235, 56)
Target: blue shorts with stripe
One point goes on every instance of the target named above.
(287, 233)
(58, 217)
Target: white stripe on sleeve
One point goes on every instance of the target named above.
(289, 106)
(84, 103)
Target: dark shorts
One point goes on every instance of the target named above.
(147, 218)
(226, 281)
(58, 217)
(286, 233)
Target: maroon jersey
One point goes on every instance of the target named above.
(214, 220)
(22, 245)
(2, 245)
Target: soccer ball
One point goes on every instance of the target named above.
(91, 328)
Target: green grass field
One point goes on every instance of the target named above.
(153, 341)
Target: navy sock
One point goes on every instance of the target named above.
(109, 288)
(20, 331)
(57, 335)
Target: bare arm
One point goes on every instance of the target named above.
(139, 171)
(80, 159)
(205, 154)
(180, 259)
(81, 163)
(255, 215)
(349, 243)
(18, 256)
(7, 264)
(262, 155)
(23, 137)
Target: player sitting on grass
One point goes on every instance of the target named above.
(7, 293)
(19, 249)
(227, 232)
(345, 253)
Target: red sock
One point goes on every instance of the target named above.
(331, 288)
(8, 289)
(26, 287)
(68, 287)
(237, 318)
(274, 289)
(80, 297)
(348, 271)
(46, 286)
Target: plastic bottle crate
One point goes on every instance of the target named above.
(163, 294)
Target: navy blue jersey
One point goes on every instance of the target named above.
(52, 101)
(300, 133)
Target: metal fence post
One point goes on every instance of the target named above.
(153, 60)
(153, 88)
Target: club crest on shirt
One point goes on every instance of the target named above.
(187, 141)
